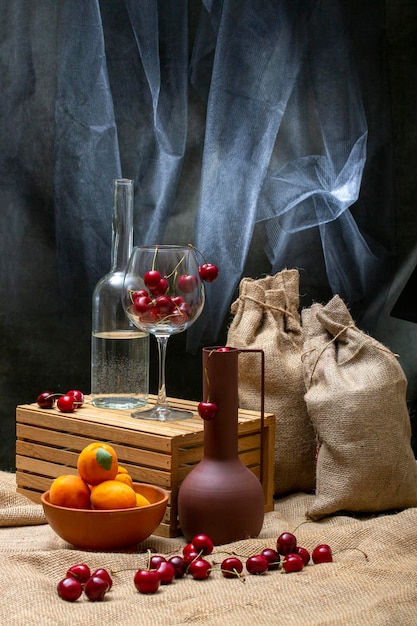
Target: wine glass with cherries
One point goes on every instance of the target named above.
(163, 294)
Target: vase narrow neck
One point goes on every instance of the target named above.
(220, 385)
(122, 229)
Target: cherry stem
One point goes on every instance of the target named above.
(199, 555)
(307, 521)
(236, 573)
(155, 254)
(175, 268)
(207, 376)
(334, 552)
(149, 559)
(199, 252)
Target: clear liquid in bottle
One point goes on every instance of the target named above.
(118, 360)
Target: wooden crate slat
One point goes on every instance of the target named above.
(56, 424)
(35, 451)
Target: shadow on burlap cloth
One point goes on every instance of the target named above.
(372, 579)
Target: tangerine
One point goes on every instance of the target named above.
(113, 494)
(124, 478)
(97, 462)
(141, 500)
(70, 491)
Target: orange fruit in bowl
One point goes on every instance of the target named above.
(70, 491)
(124, 478)
(141, 500)
(113, 494)
(97, 462)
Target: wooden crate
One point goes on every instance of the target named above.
(48, 444)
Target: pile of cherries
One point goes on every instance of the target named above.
(65, 402)
(154, 304)
(287, 557)
(80, 579)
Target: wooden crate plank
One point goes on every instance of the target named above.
(56, 424)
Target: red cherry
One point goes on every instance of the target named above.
(305, 554)
(164, 305)
(156, 560)
(166, 572)
(293, 563)
(187, 283)
(231, 567)
(191, 556)
(46, 400)
(147, 580)
(103, 573)
(223, 349)
(152, 278)
(181, 313)
(286, 543)
(77, 395)
(80, 571)
(138, 294)
(179, 565)
(322, 554)
(200, 569)
(161, 288)
(208, 272)
(66, 404)
(256, 564)
(69, 589)
(207, 410)
(272, 557)
(96, 588)
(141, 304)
(188, 548)
(203, 544)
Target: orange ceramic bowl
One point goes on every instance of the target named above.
(111, 530)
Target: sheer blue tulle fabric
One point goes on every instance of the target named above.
(285, 142)
(284, 139)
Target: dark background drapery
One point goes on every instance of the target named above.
(270, 134)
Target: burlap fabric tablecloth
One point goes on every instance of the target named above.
(377, 589)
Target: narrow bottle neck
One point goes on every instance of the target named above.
(122, 231)
(220, 385)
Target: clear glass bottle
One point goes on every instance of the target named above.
(119, 351)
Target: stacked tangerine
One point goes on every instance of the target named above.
(101, 483)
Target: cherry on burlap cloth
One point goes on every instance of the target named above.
(372, 580)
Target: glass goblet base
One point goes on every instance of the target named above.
(162, 413)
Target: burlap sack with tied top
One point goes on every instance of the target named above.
(266, 317)
(356, 399)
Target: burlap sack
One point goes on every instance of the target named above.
(356, 399)
(266, 317)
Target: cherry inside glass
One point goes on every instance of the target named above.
(163, 295)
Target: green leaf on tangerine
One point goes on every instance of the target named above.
(104, 458)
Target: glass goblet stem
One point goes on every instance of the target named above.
(162, 341)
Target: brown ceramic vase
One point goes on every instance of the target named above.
(221, 497)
